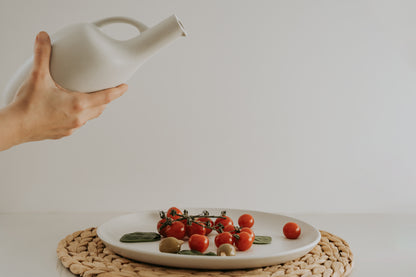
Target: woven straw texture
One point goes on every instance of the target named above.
(86, 255)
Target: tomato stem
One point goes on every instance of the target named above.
(220, 227)
(168, 221)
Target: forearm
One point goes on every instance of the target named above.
(11, 121)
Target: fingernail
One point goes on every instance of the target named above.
(42, 36)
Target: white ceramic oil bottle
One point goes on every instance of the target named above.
(86, 59)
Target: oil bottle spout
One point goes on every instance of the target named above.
(152, 39)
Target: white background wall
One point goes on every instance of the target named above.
(282, 106)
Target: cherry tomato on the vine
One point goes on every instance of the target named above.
(159, 224)
(195, 228)
(223, 221)
(243, 241)
(208, 222)
(246, 220)
(198, 242)
(177, 213)
(176, 229)
(247, 230)
(230, 228)
(222, 238)
(291, 230)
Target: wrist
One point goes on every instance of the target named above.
(12, 132)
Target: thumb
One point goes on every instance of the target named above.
(42, 53)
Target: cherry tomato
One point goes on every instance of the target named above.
(224, 221)
(222, 238)
(247, 230)
(208, 222)
(159, 224)
(246, 220)
(176, 229)
(198, 242)
(177, 213)
(230, 228)
(291, 230)
(243, 241)
(185, 222)
(195, 228)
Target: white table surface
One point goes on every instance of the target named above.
(383, 245)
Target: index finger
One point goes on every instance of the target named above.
(105, 96)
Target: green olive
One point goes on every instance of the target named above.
(226, 249)
(170, 245)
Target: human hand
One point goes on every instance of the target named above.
(49, 111)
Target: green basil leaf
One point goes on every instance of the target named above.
(140, 237)
(195, 252)
(210, 254)
(189, 252)
(262, 240)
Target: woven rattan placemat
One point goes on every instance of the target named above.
(86, 255)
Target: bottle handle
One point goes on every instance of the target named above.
(119, 19)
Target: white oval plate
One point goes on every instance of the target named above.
(279, 251)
